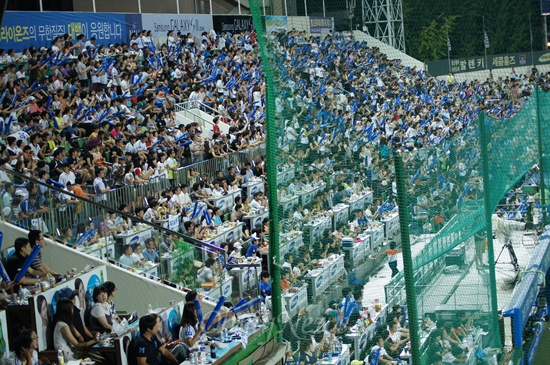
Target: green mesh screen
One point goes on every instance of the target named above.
(331, 107)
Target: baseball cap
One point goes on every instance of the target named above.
(19, 192)
(67, 293)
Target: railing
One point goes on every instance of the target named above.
(187, 104)
(210, 167)
(99, 229)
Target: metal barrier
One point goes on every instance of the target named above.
(210, 167)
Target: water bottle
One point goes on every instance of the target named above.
(213, 350)
(202, 355)
(60, 357)
(20, 293)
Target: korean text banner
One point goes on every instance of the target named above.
(160, 24)
(319, 24)
(22, 29)
(477, 63)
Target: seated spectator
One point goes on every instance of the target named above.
(16, 261)
(378, 354)
(265, 285)
(150, 253)
(206, 275)
(147, 347)
(127, 258)
(37, 238)
(137, 255)
(79, 325)
(23, 349)
(101, 318)
(65, 336)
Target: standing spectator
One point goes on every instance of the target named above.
(99, 186)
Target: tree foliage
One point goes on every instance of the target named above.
(433, 38)
(506, 23)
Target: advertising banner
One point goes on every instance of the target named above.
(44, 304)
(160, 24)
(232, 23)
(4, 340)
(318, 24)
(477, 63)
(22, 29)
(275, 23)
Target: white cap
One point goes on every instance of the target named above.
(19, 192)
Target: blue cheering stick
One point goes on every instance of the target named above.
(85, 236)
(27, 264)
(49, 102)
(195, 209)
(207, 217)
(7, 126)
(246, 305)
(32, 91)
(78, 110)
(199, 310)
(214, 313)
(14, 99)
(4, 275)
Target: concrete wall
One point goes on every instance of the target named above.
(134, 292)
(390, 51)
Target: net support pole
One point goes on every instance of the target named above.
(271, 173)
(408, 271)
(541, 159)
(489, 227)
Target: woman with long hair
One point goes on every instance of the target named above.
(190, 329)
(65, 336)
(81, 302)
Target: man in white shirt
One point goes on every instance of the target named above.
(257, 202)
(127, 259)
(90, 43)
(67, 175)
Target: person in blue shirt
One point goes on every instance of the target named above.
(28, 209)
(252, 249)
(265, 286)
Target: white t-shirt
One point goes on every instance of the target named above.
(59, 342)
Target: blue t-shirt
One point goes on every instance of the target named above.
(252, 250)
(265, 290)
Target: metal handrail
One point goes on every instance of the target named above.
(193, 241)
(186, 105)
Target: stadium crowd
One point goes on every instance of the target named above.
(93, 118)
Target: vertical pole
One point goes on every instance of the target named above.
(408, 271)
(484, 46)
(448, 44)
(139, 6)
(531, 40)
(489, 226)
(263, 6)
(178, 6)
(545, 33)
(239, 2)
(41, 6)
(324, 9)
(305, 6)
(211, 11)
(286, 10)
(542, 186)
(93, 5)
